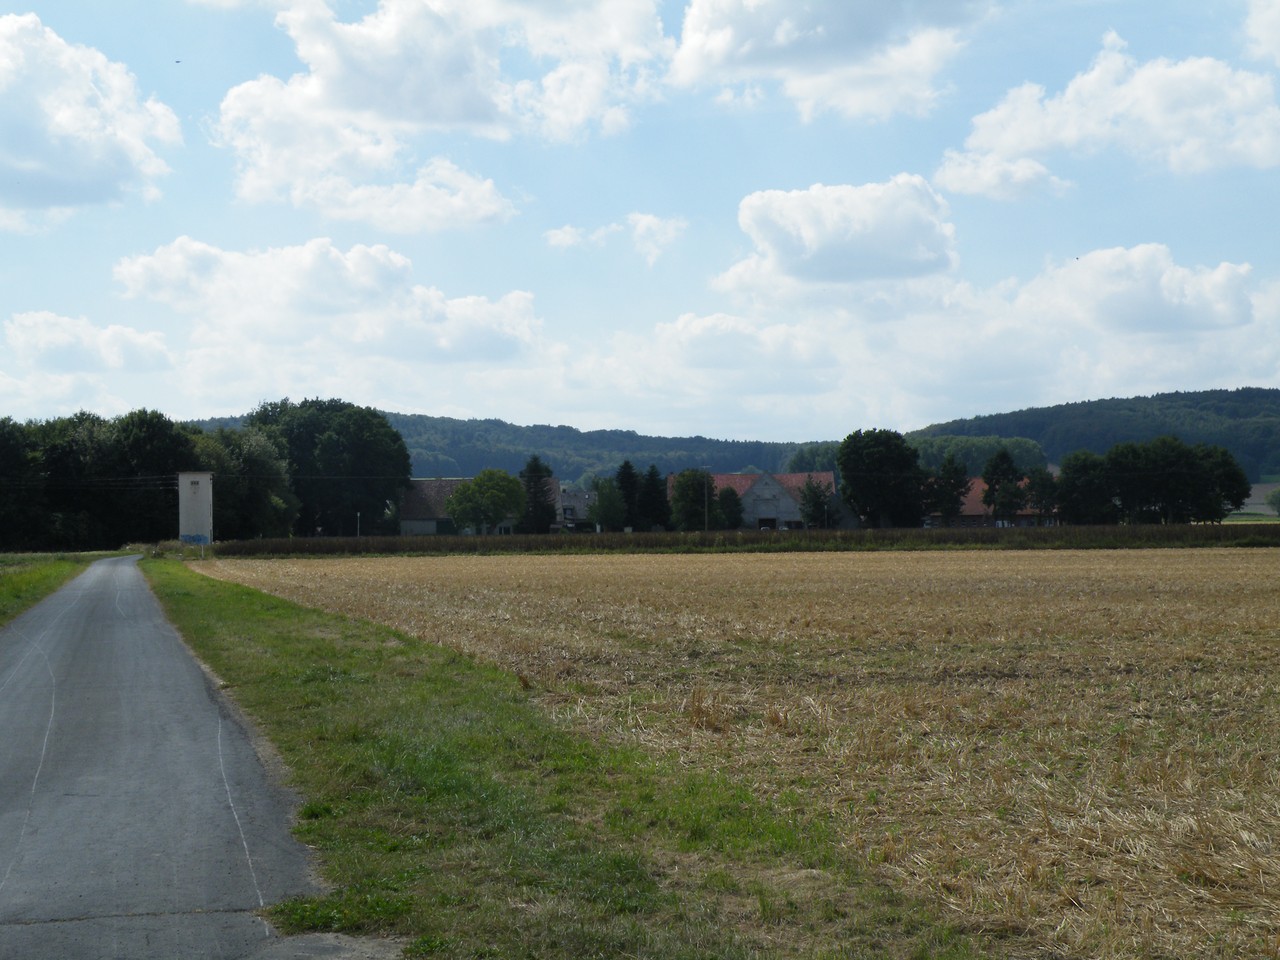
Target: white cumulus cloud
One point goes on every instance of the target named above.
(74, 130)
(314, 319)
(73, 345)
(1187, 115)
(1141, 290)
(1262, 28)
(651, 235)
(346, 136)
(843, 234)
(859, 58)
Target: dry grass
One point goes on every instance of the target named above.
(1075, 749)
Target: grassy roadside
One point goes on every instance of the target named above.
(450, 811)
(27, 578)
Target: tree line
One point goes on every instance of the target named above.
(332, 468)
(624, 500)
(627, 500)
(85, 482)
(1160, 481)
(1245, 421)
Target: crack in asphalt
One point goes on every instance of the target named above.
(138, 915)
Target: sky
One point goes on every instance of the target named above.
(743, 219)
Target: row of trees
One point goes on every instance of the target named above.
(328, 467)
(494, 496)
(627, 500)
(630, 500)
(85, 482)
(1161, 481)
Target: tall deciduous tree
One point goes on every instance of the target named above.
(817, 504)
(487, 500)
(1085, 493)
(252, 495)
(1127, 471)
(609, 511)
(946, 488)
(349, 466)
(22, 506)
(147, 451)
(1042, 492)
(729, 507)
(1224, 487)
(693, 501)
(1004, 495)
(881, 479)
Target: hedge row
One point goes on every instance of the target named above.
(1038, 538)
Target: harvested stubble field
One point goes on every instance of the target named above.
(1076, 751)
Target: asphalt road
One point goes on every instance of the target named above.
(136, 819)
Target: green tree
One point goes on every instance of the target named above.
(147, 450)
(1273, 500)
(1223, 486)
(945, 489)
(609, 511)
(539, 497)
(818, 508)
(1173, 479)
(729, 506)
(348, 465)
(693, 501)
(22, 506)
(1129, 475)
(653, 510)
(1085, 491)
(628, 483)
(881, 479)
(485, 501)
(1042, 492)
(73, 454)
(1004, 495)
(252, 495)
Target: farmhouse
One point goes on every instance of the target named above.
(975, 513)
(771, 501)
(422, 511)
(572, 506)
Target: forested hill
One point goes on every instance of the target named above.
(1245, 421)
(445, 447)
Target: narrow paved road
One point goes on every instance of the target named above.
(136, 820)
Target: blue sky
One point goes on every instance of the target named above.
(757, 219)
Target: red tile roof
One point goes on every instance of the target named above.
(972, 505)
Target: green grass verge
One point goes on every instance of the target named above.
(27, 578)
(448, 809)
